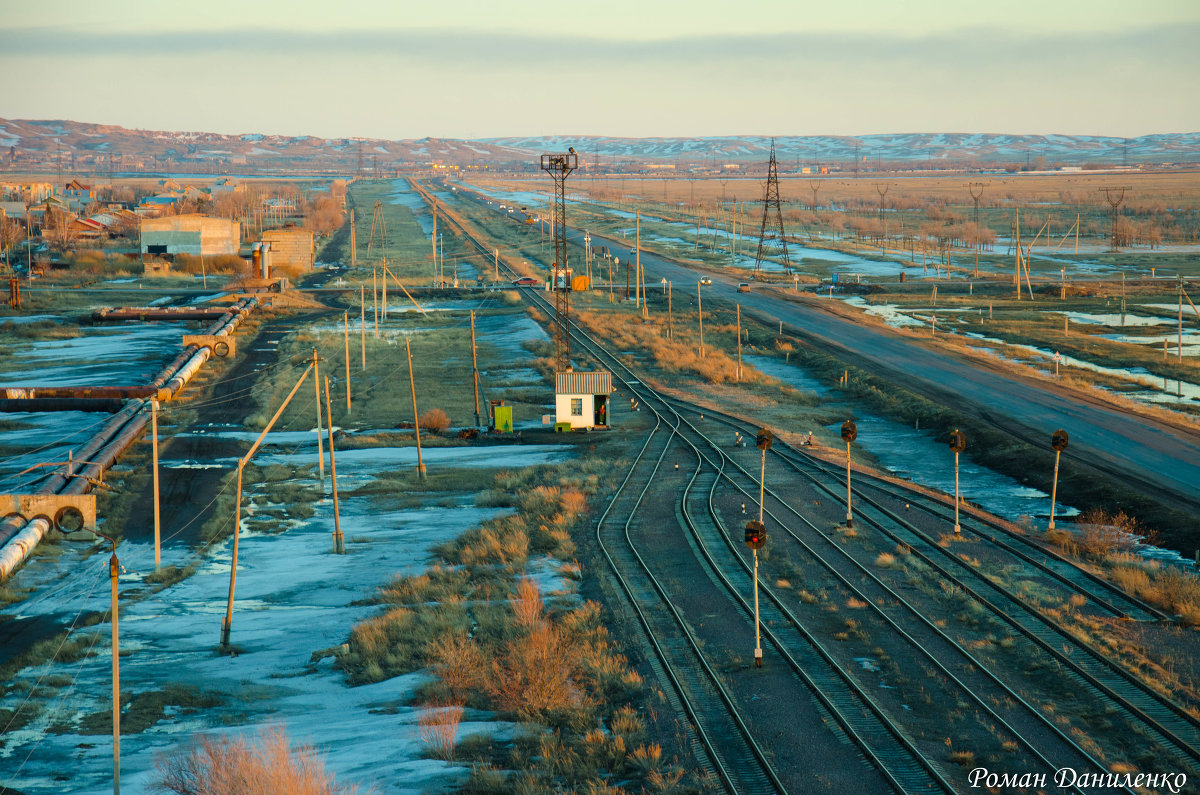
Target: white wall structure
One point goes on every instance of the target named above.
(581, 399)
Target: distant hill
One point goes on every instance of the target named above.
(79, 147)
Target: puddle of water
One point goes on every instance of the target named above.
(889, 313)
(1114, 320)
(21, 319)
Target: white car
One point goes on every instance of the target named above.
(706, 281)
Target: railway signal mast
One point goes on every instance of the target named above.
(559, 167)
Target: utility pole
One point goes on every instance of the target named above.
(637, 257)
(375, 298)
(700, 313)
(1058, 441)
(475, 367)
(412, 385)
(496, 263)
(353, 242)
(154, 465)
(670, 313)
(362, 323)
(320, 449)
(346, 341)
(339, 542)
(739, 338)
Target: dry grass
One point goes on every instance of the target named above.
(243, 766)
(437, 725)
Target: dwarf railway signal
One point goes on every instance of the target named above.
(1058, 441)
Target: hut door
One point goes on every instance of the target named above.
(601, 404)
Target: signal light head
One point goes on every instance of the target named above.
(764, 439)
(756, 534)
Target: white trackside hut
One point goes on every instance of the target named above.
(581, 399)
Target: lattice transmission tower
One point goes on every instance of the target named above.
(1115, 202)
(559, 167)
(771, 203)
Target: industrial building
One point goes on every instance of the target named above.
(198, 235)
(581, 399)
(292, 248)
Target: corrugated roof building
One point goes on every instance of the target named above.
(581, 399)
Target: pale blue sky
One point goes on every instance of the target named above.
(466, 68)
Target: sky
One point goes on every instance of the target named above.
(399, 69)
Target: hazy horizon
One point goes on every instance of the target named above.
(633, 70)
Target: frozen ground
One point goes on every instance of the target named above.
(294, 597)
(103, 356)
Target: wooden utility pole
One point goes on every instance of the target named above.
(637, 258)
(375, 298)
(346, 342)
(475, 367)
(154, 465)
(433, 245)
(320, 449)
(362, 319)
(412, 385)
(114, 572)
(383, 305)
(353, 242)
(339, 542)
(670, 314)
(700, 313)
(237, 506)
(1017, 229)
(496, 264)
(739, 335)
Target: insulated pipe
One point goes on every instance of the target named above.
(18, 538)
(157, 313)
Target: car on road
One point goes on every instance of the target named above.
(706, 281)
(525, 281)
(743, 287)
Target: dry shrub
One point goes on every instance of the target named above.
(241, 766)
(437, 724)
(532, 675)
(434, 421)
(527, 604)
(1132, 579)
(1102, 533)
(885, 560)
(460, 662)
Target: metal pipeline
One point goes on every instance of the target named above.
(18, 538)
(144, 313)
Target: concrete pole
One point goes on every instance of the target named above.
(433, 246)
(339, 542)
(154, 465)
(353, 242)
(475, 367)
(362, 323)
(412, 385)
(320, 449)
(700, 312)
(1054, 489)
(346, 343)
(739, 338)
(114, 571)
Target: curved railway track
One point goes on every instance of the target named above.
(725, 740)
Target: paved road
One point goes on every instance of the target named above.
(1129, 447)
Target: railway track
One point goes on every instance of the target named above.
(906, 767)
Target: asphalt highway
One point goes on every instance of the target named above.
(1135, 450)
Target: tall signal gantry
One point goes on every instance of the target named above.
(559, 167)
(1115, 196)
(771, 203)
